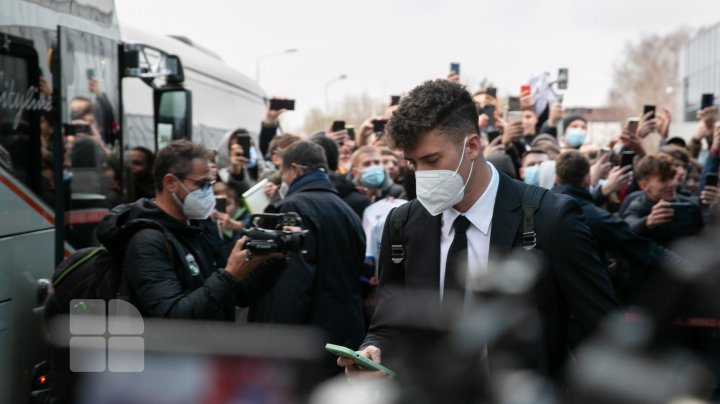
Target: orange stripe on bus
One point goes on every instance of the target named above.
(25, 197)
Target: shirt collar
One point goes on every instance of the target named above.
(481, 212)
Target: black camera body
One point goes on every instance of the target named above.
(262, 241)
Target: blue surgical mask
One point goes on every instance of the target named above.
(575, 137)
(252, 162)
(373, 177)
(532, 175)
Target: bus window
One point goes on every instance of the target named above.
(20, 104)
(90, 99)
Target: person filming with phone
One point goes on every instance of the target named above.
(659, 212)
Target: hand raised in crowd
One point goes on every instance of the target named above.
(237, 159)
(647, 125)
(632, 142)
(227, 223)
(715, 145)
(526, 101)
(494, 147)
(339, 137)
(454, 77)
(664, 118)
(272, 115)
(241, 262)
(600, 168)
(707, 118)
(616, 180)
(556, 115)
(512, 132)
(270, 189)
(710, 196)
(367, 129)
(483, 121)
(355, 374)
(661, 213)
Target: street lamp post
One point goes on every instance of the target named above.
(257, 61)
(336, 79)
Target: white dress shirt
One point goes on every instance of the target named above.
(478, 233)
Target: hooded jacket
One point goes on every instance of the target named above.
(186, 284)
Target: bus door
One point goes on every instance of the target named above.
(89, 111)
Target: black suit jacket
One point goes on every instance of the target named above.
(573, 278)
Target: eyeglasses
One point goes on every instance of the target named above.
(202, 184)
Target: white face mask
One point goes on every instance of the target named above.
(439, 190)
(198, 204)
(283, 190)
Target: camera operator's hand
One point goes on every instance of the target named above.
(241, 262)
(616, 180)
(632, 142)
(663, 122)
(354, 373)
(647, 125)
(710, 196)
(600, 168)
(556, 114)
(661, 213)
(237, 159)
(270, 190)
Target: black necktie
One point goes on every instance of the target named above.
(457, 258)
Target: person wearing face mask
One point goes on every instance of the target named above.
(575, 131)
(368, 173)
(320, 288)
(468, 215)
(183, 280)
(530, 168)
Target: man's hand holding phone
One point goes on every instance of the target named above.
(632, 141)
(661, 213)
(354, 373)
(617, 179)
(556, 115)
(648, 125)
(710, 196)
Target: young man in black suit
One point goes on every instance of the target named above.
(469, 215)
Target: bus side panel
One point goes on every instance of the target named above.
(25, 261)
(5, 368)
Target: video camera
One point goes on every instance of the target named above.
(263, 240)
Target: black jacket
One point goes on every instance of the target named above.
(687, 222)
(613, 234)
(573, 279)
(349, 193)
(164, 285)
(322, 287)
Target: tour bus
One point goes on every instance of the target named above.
(77, 91)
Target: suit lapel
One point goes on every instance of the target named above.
(507, 218)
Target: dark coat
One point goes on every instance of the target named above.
(573, 278)
(349, 193)
(613, 235)
(322, 287)
(160, 284)
(687, 222)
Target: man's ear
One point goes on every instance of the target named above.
(642, 185)
(474, 145)
(170, 183)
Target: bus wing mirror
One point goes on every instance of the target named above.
(173, 115)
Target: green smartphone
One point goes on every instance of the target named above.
(359, 360)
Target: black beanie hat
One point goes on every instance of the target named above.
(568, 120)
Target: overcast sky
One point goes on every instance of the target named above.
(387, 47)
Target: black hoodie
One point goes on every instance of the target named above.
(187, 284)
(349, 193)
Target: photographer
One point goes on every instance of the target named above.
(321, 288)
(159, 283)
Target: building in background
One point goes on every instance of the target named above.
(699, 70)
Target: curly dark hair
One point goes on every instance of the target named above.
(656, 164)
(438, 104)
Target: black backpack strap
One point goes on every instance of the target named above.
(397, 224)
(530, 204)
